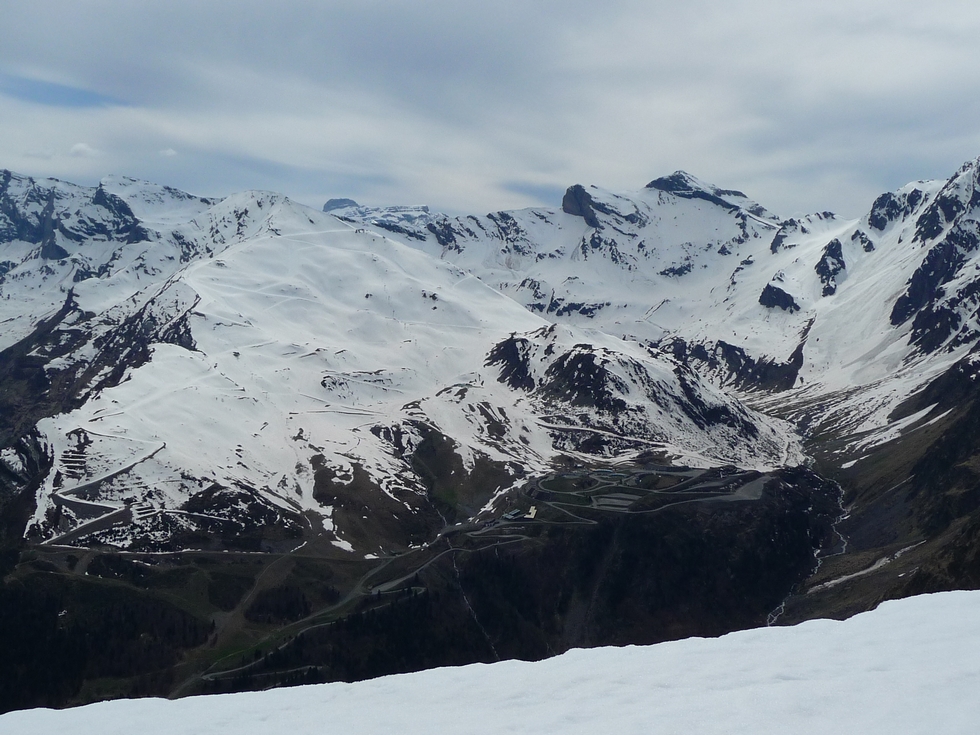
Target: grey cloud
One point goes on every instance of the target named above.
(463, 105)
(211, 174)
(544, 194)
(84, 150)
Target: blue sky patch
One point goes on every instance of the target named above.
(53, 95)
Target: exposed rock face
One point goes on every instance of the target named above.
(685, 186)
(333, 204)
(942, 295)
(444, 234)
(830, 266)
(579, 203)
(867, 244)
(891, 207)
(126, 226)
(939, 267)
(737, 367)
(56, 217)
(774, 297)
(626, 395)
(513, 357)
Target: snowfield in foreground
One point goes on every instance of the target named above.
(911, 666)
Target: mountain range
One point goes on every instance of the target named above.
(631, 417)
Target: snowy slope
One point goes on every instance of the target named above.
(910, 666)
(849, 317)
(614, 261)
(205, 359)
(57, 236)
(221, 353)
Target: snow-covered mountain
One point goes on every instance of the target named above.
(844, 319)
(910, 666)
(192, 366)
(203, 359)
(253, 443)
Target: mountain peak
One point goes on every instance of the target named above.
(578, 202)
(686, 186)
(333, 204)
(681, 182)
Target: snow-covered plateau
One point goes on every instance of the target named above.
(910, 666)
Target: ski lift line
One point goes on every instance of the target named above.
(83, 528)
(650, 312)
(112, 436)
(760, 220)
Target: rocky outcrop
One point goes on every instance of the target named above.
(333, 204)
(773, 297)
(830, 265)
(579, 203)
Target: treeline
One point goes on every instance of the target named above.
(700, 569)
(57, 632)
(414, 630)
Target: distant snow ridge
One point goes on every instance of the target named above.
(844, 319)
(908, 667)
(217, 368)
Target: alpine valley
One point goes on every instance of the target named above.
(245, 443)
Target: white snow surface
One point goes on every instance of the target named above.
(911, 666)
(311, 338)
(316, 337)
(691, 263)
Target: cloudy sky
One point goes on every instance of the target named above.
(470, 106)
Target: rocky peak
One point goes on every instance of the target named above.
(333, 204)
(681, 183)
(686, 186)
(959, 195)
(579, 203)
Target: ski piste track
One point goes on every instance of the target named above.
(105, 515)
